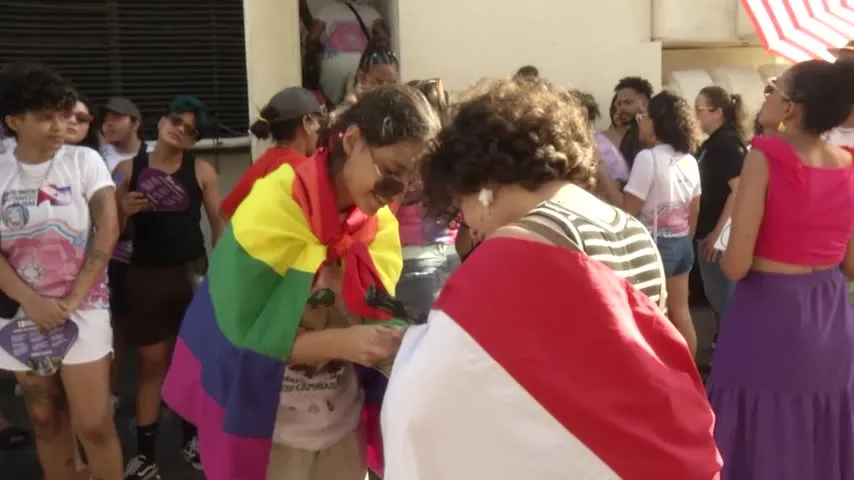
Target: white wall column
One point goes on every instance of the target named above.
(272, 52)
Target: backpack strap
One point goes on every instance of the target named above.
(365, 29)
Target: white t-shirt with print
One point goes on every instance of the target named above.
(667, 181)
(44, 234)
(319, 404)
(343, 34)
(113, 157)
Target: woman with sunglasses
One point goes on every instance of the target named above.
(546, 355)
(80, 131)
(295, 323)
(59, 227)
(168, 258)
(782, 380)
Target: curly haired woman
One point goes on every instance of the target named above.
(545, 355)
(59, 225)
(664, 192)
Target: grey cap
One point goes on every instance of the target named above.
(122, 106)
(292, 103)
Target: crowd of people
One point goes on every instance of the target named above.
(552, 259)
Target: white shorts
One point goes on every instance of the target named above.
(94, 340)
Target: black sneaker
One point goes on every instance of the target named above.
(191, 454)
(141, 468)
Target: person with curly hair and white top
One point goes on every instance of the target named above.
(59, 225)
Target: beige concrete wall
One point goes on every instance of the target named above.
(230, 165)
(707, 58)
(589, 45)
(272, 52)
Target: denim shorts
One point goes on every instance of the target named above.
(677, 254)
(423, 276)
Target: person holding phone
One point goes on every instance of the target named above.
(319, 232)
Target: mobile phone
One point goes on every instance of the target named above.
(381, 300)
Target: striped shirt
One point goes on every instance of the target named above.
(624, 245)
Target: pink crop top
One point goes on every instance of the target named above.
(809, 211)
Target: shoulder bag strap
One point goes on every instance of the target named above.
(549, 234)
(654, 231)
(365, 28)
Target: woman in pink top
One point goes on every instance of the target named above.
(782, 380)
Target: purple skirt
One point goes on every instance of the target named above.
(782, 380)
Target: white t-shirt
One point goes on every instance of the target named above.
(45, 218)
(841, 136)
(343, 33)
(113, 157)
(666, 181)
(319, 404)
(44, 233)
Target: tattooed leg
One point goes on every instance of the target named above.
(47, 407)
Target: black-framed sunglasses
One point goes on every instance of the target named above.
(388, 185)
(773, 87)
(178, 121)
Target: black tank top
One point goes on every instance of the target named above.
(169, 239)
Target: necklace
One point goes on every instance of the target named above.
(30, 180)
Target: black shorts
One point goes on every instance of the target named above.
(153, 302)
(117, 273)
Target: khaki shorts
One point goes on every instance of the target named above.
(346, 459)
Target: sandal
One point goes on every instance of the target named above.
(13, 438)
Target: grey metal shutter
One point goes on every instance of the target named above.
(146, 50)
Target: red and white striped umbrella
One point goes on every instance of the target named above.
(799, 30)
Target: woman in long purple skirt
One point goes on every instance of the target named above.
(782, 381)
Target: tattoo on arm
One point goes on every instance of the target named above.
(97, 259)
(96, 206)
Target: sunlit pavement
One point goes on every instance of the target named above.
(22, 464)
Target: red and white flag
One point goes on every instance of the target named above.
(540, 363)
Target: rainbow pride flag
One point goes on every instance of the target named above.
(230, 358)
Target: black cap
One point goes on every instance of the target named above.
(123, 106)
(294, 102)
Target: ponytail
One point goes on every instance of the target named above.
(260, 129)
(737, 117)
(825, 92)
(843, 82)
(269, 125)
(732, 108)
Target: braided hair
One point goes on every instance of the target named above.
(377, 53)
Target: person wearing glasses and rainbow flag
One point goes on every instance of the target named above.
(265, 365)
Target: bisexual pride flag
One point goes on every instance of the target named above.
(230, 358)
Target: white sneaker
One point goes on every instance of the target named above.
(191, 454)
(141, 468)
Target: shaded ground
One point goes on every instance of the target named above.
(22, 464)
